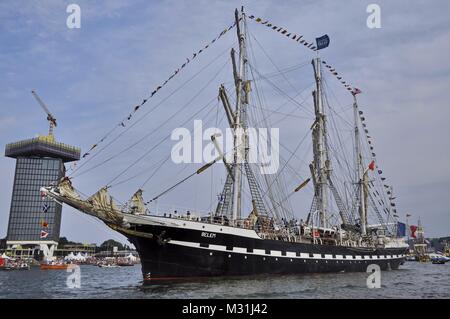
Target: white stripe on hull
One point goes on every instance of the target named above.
(278, 253)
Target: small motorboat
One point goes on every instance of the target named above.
(107, 265)
(23, 267)
(439, 259)
(15, 266)
(6, 268)
(56, 266)
(124, 263)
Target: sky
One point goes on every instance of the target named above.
(93, 76)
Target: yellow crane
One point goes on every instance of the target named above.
(50, 118)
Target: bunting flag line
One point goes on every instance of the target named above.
(44, 234)
(373, 154)
(285, 32)
(322, 42)
(159, 87)
(353, 90)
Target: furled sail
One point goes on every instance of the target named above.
(102, 201)
(366, 192)
(100, 204)
(66, 189)
(137, 203)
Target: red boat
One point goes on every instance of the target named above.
(46, 266)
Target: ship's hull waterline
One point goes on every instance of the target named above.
(178, 252)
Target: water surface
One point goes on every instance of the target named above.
(413, 280)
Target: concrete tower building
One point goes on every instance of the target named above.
(34, 222)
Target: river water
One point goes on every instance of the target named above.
(413, 280)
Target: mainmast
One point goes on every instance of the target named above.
(238, 127)
(359, 172)
(321, 162)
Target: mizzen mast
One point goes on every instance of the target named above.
(359, 177)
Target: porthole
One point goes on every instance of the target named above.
(264, 258)
(229, 256)
(210, 254)
(291, 259)
(276, 258)
(245, 257)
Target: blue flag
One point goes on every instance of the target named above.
(401, 229)
(322, 42)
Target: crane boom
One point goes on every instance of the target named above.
(50, 118)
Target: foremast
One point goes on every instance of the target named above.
(230, 202)
(320, 168)
(238, 127)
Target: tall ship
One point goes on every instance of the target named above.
(351, 222)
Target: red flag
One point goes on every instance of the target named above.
(44, 224)
(316, 234)
(372, 165)
(413, 231)
(44, 234)
(356, 91)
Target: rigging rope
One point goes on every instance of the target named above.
(281, 92)
(169, 156)
(150, 111)
(137, 107)
(155, 129)
(299, 39)
(190, 101)
(275, 194)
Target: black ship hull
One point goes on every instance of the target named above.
(178, 252)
